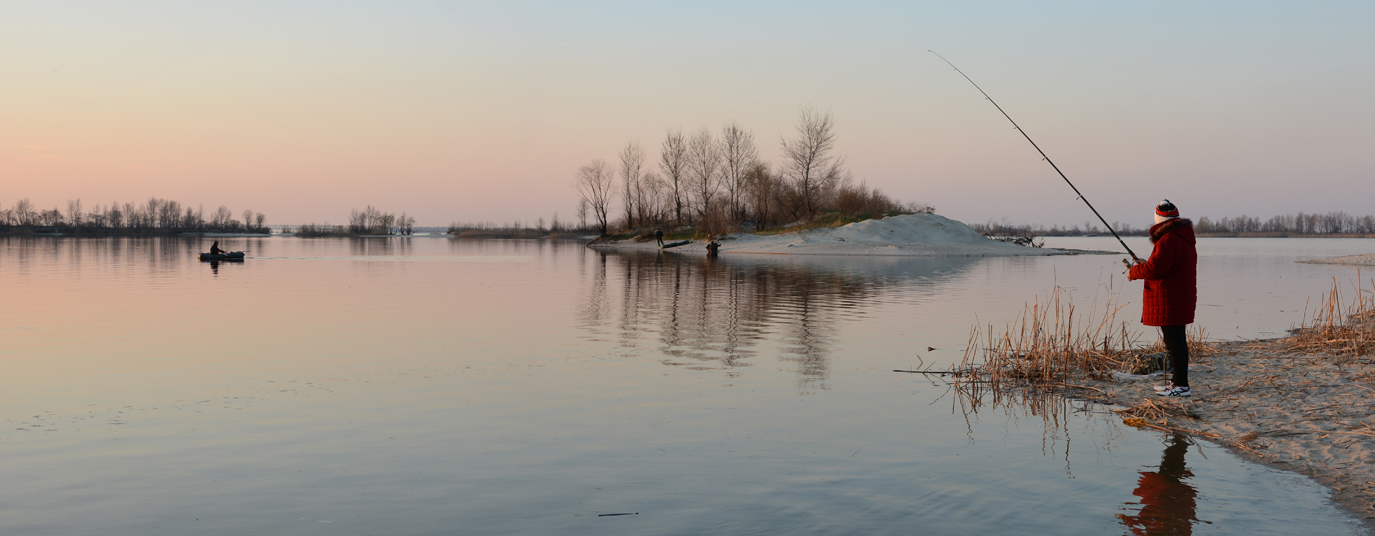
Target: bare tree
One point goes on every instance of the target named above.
(24, 212)
(74, 214)
(597, 185)
(762, 189)
(582, 213)
(371, 221)
(221, 218)
(190, 219)
(632, 163)
(704, 169)
(738, 154)
(650, 203)
(673, 162)
(116, 216)
(247, 218)
(258, 220)
(405, 225)
(807, 160)
(49, 218)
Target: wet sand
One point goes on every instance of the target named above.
(1310, 414)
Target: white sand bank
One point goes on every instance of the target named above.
(1365, 259)
(910, 235)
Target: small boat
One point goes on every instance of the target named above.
(227, 256)
(676, 244)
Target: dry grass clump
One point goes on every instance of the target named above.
(1048, 345)
(1338, 328)
(1161, 415)
(1156, 412)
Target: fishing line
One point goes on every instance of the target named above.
(1043, 155)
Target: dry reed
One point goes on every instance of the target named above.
(1050, 344)
(1338, 328)
(1162, 415)
(1157, 411)
(1047, 346)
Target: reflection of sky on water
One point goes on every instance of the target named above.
(522, 387)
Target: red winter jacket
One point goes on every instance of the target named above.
(1171, 275)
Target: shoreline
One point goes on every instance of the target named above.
(1299, 412)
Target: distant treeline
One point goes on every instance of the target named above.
(555, 229)
(156, 217)
(1330, 224)
(717, 183)
(367, 222)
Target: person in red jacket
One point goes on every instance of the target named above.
(1171, 290)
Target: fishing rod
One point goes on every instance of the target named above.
(1043, 156)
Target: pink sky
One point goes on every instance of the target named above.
(465, 113)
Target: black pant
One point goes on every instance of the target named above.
(1177, 345)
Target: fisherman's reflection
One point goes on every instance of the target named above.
(215, 267)
(1167, 500)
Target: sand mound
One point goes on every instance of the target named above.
(912, 229)
(911, 235)
(908, 235)
(1366, 259)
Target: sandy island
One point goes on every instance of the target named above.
(911, 235)
(1365, 259)
(1310, 414)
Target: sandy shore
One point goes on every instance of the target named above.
(913, 235)
(1365, 259)
(1303, 413)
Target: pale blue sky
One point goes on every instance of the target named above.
(484, 111)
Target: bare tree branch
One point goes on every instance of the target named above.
(596, 184)
(673, 162)
(632, 162)
(704, 166)
(739, 154)
(807, 159)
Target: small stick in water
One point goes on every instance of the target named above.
(625, 514)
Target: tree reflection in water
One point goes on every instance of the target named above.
(719, 314)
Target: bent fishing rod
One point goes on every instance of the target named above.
(1043, 155)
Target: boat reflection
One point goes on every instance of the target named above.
(1168, 502)
(722, 313)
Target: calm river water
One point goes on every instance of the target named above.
(436, 386)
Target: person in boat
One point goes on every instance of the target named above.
(215, 248)
(1171, 290)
